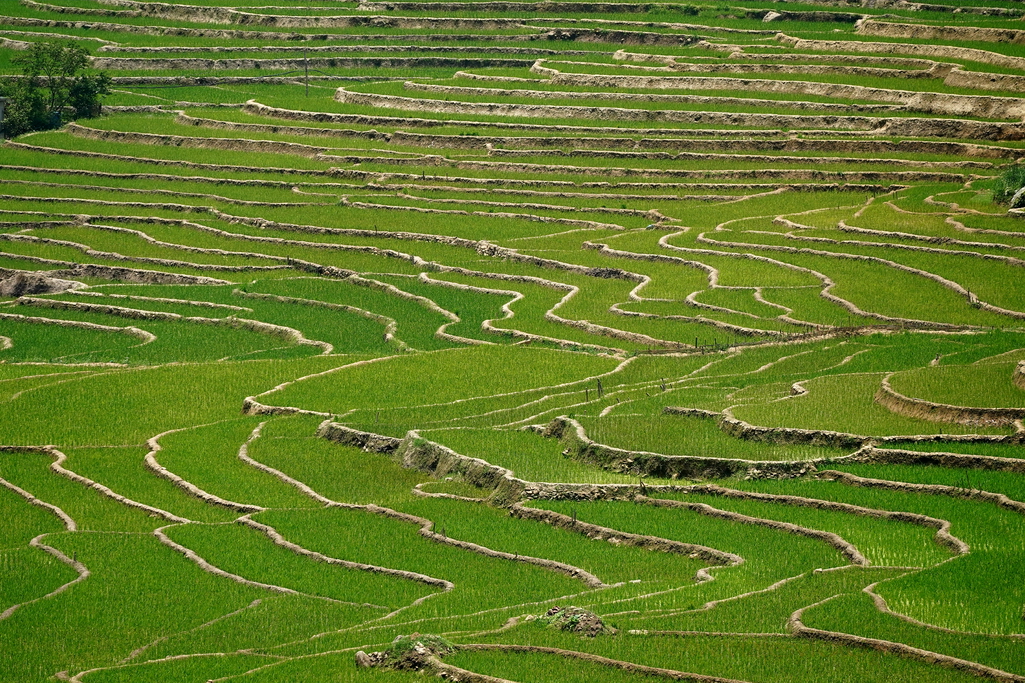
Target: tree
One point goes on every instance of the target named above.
(26, 110)
(53, 66)
(52, 86)
(85, 94)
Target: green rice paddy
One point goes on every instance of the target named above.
(353, 321)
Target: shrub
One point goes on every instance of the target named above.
(1009, 182)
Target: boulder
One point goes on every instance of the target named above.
(24, 284)
(576, 620)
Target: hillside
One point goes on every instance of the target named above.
(387, 326)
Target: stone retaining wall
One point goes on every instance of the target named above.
(788, 435)
(505, 488)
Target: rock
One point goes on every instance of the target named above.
(22, 284)
(771, 16)
(1017, 201)
(608, 273)
(363, 660)
(576, 620)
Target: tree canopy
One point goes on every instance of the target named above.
(52, 88)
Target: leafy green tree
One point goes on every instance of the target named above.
(85, 92)
(52, 86)
(26, 110)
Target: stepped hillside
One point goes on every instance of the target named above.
(516, 341)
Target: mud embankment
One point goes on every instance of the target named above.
(941, 34)
(796, 626)
(292, 64)
(646, 464)
(941, 412)
(917, 49)
(979, 106)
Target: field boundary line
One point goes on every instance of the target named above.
(796, 626)
(37, 542)
(154, 466)
(603, 661)
(58, 467)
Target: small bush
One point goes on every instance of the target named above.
(1009, 182)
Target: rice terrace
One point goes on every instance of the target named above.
(500, 340)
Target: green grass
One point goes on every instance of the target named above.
(139, 591)
(735, 657)
(856, 614)
(981, 386)
(999, 450)
(693, 436)
(957, 594)
(122, 408)
(398, 546)
(208, 458)
(411, 380)
(249, 553)
(89, 509)
(883, 542)
(417, 323)
(1006, 483)
(857, 413)
(38, 342)
(370, 477)
(769, 555)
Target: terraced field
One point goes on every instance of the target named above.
(348, 321)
